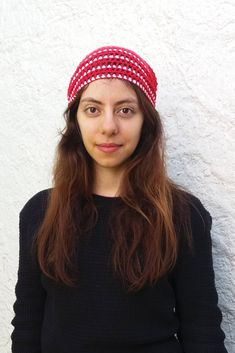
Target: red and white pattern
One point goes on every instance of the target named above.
(114, 62)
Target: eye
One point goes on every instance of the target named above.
(126, 112)
(91, 110)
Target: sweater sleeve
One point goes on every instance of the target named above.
(194, 285)
(30, 295)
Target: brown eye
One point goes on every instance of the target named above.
(125, 110)
(92, 110)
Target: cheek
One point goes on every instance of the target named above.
(85, 129)
(138, 131)
(88, 135)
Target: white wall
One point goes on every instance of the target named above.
(190, 45)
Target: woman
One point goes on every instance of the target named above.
(115, 257)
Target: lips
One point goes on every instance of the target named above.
(108, 147)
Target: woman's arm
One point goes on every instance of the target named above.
(196, 296)
(30, 295)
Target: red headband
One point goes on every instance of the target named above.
(114, 62)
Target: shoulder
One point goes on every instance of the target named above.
(188, 209)
(30, 218)
(34, 209)
(200, 217)
(192, 221)
(196, 237)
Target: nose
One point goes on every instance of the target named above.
(109, 124)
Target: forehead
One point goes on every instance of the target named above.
(110, 87)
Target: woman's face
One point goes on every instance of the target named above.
(110, 122)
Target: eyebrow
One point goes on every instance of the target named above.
(93, 100)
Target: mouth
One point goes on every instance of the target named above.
(108, 147)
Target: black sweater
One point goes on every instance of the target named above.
(178, 314)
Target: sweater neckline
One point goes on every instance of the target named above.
(105, 200)
(108, 198)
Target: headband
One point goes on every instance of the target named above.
(114, 62)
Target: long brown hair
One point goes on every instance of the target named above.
(153, 210)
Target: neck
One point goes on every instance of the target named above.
(107, 182)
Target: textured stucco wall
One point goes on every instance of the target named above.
(191, 46)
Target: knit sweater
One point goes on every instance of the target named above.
(179, 314)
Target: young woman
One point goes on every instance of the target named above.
(115, 258)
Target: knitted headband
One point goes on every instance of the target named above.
(114, 62)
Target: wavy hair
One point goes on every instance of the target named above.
(152, 213)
